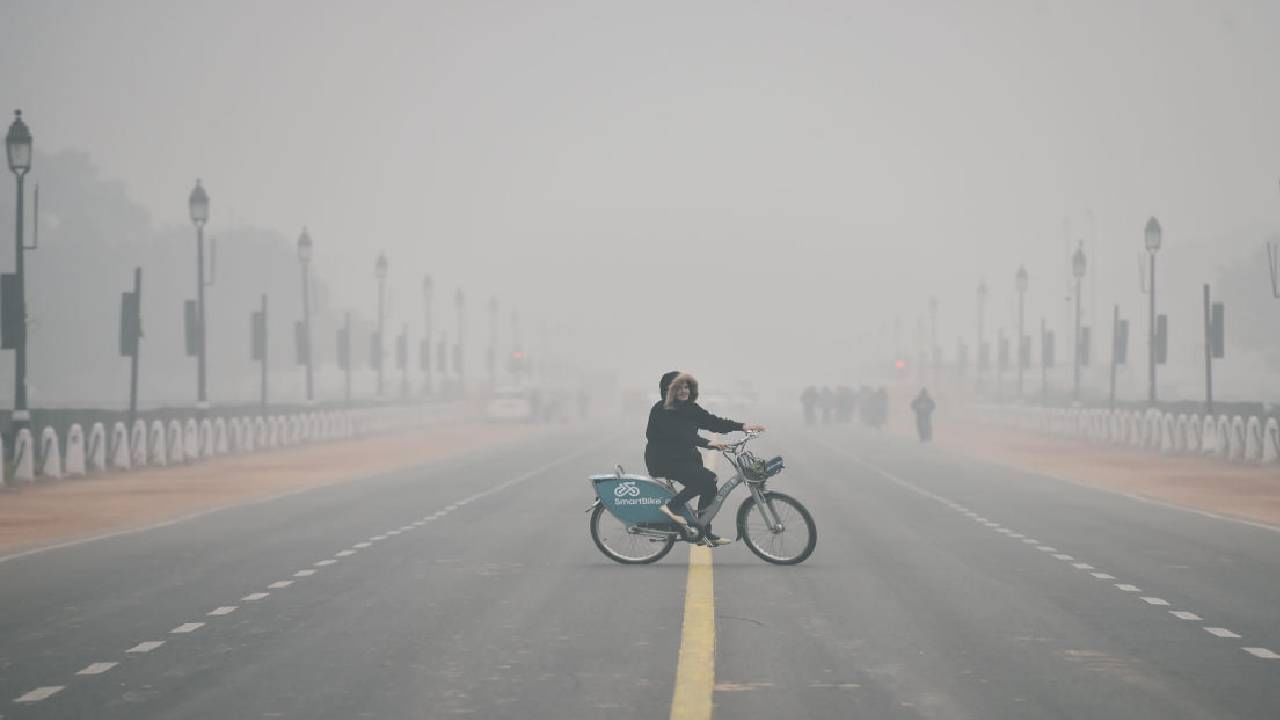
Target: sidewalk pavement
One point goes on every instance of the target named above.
(1248, 492)
(53, 512)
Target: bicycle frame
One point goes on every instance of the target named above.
(730, 453)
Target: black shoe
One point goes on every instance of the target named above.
(714, 540)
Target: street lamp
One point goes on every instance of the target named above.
(460, 301)
(427, 288)
(1021, 283)
(982, 312)
(304, 260)
(380, 272)
(493, 340)
(933, 335)
(18, 147)
(1078, 267)
(198, 205)
(1152, 238)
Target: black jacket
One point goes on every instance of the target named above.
(674, 439)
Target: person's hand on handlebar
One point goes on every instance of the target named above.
(753, 428)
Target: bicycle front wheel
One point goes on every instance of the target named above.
(612, 538)
(786, 537)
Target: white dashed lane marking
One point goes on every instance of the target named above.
(1258, 652)
(40, 693)
(145, 647)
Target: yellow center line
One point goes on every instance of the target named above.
(696, 666)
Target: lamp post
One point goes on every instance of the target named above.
(933, 335)
(380, 272)
(493, 341)
(198, 205)
(18, 148)
(982, 313)
(460, 302)
(427, 288)
(1021, 283)
(304, 260)
(1152, 237)
(1078, 267)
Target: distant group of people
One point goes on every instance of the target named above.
(871, 405)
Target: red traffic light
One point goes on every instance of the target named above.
(900, 363)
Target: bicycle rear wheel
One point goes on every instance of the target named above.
(612, 538)
(790, 545)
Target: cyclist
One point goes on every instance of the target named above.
(672, 451)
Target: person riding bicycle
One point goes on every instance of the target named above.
(672, 450)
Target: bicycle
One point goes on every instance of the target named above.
(628, 528)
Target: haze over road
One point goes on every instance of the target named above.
(940, 588)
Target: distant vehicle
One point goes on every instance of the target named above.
(509, 405)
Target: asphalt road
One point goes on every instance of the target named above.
(940, 588)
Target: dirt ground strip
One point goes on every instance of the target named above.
(57, 511)
(1250, 492)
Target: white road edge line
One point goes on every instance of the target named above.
(255, 596)
(224, 610)
(1221, 632)
(185, 628)
(305, 573)
(1263, 653)
(1127, 588)
(97, 668)
(1155, 601)
(1184, 615)
(280, 584)
(242, 504)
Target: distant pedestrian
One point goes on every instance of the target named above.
(809, 399)
(923, 407)
(826, 402)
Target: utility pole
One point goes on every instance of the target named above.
(259, 344)
(130, 337)
(1119, 349)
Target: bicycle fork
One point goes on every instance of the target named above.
(767, 512)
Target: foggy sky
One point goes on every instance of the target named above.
(742, 188)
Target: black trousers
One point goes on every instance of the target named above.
(697, 480)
